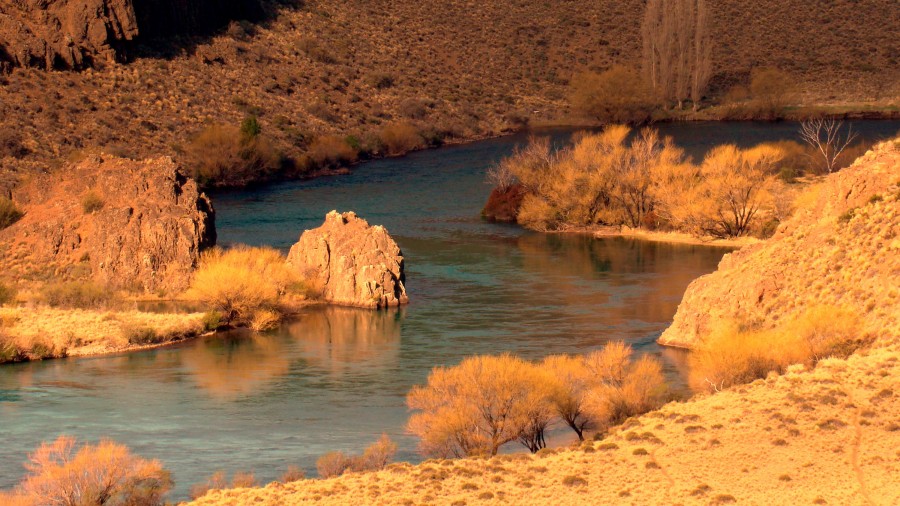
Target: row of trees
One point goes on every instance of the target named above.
(485, 402)
(606, 179)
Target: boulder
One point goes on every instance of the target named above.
(351, 262)
(840, 249)
(137, 225)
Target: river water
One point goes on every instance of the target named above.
(335, 378)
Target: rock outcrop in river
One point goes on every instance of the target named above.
(353, 263)
(841, 248)
(123, 223)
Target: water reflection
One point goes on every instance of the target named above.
(341, 341)
(237, 363)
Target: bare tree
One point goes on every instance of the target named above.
(826, 137)
(677, 49)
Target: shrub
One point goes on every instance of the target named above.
(771, 89)
(333, 464)
(381, 80)
(10, 351)
(11, 143)
(141, 335)
(77, 295)
(264, 319)
(331, 151)
(9, 212)
(621, 387)
(217, 481)
(399, 138)
(292, 474)
(106, 473)
(618, 95)
(212, 320)
(224, 155)
(7, 293)
(91, 202)
(730, 355)
(241, 281)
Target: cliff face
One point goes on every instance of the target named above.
(74, 34)
(842, 248)
(122, 223)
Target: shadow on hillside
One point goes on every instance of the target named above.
(172, 28)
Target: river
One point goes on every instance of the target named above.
(335, 379)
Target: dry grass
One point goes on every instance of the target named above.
(713, 449)
(43, 332)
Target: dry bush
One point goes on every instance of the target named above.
(771, 90)
(333, 464)
(795, 159)
(480, 405)
(264, 319)
(730, 355)
(9, 212)
(620, 387)
(224, 155)
(618, 95)
(91, 202)
(569, 386)
(292, 474)
(724, 195)
(106, 473)
(242, 281)
(219, 481)
(243, 479)
(77, 295)
(400, 138)
(331, 151)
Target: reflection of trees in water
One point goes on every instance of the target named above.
(340, 340)
(561, 263)
(239, 363)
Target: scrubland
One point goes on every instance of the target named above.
(365, 72)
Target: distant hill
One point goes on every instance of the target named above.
(457, 69)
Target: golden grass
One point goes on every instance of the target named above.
(57, 332)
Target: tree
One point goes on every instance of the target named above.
(770, 89)
(94, 475)
(620, 387)
(736, 185)
(478, 406)
(569, 390)
(618, 95)
(826, 137)
(677, 50)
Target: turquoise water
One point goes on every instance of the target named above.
(335, 379)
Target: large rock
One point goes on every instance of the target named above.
(137, 225)
(841, 249)
(353, 264)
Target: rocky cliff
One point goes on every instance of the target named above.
(123, 223)
(353, 264)
(841, 248)
(74, 34)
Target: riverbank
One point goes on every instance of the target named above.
(659, 236)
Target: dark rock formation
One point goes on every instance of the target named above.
(136, 225)
(75, 34)
(353, 264)
(504, 203)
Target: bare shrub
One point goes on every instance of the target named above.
(828, 141)
(7, 293)
(333, 464)
(219, 481)
(621, 387)
(292, 474)
(106, 473)
(331, 151)
(618, 95)
(264, 319)
(378, 455)
(9, 212)
(399, 138)
(569, 384)
(242, 281)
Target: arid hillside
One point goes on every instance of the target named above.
(841, 248)
(454, 70)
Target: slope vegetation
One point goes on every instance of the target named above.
(458, 69)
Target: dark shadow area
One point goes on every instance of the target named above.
(170, 28)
